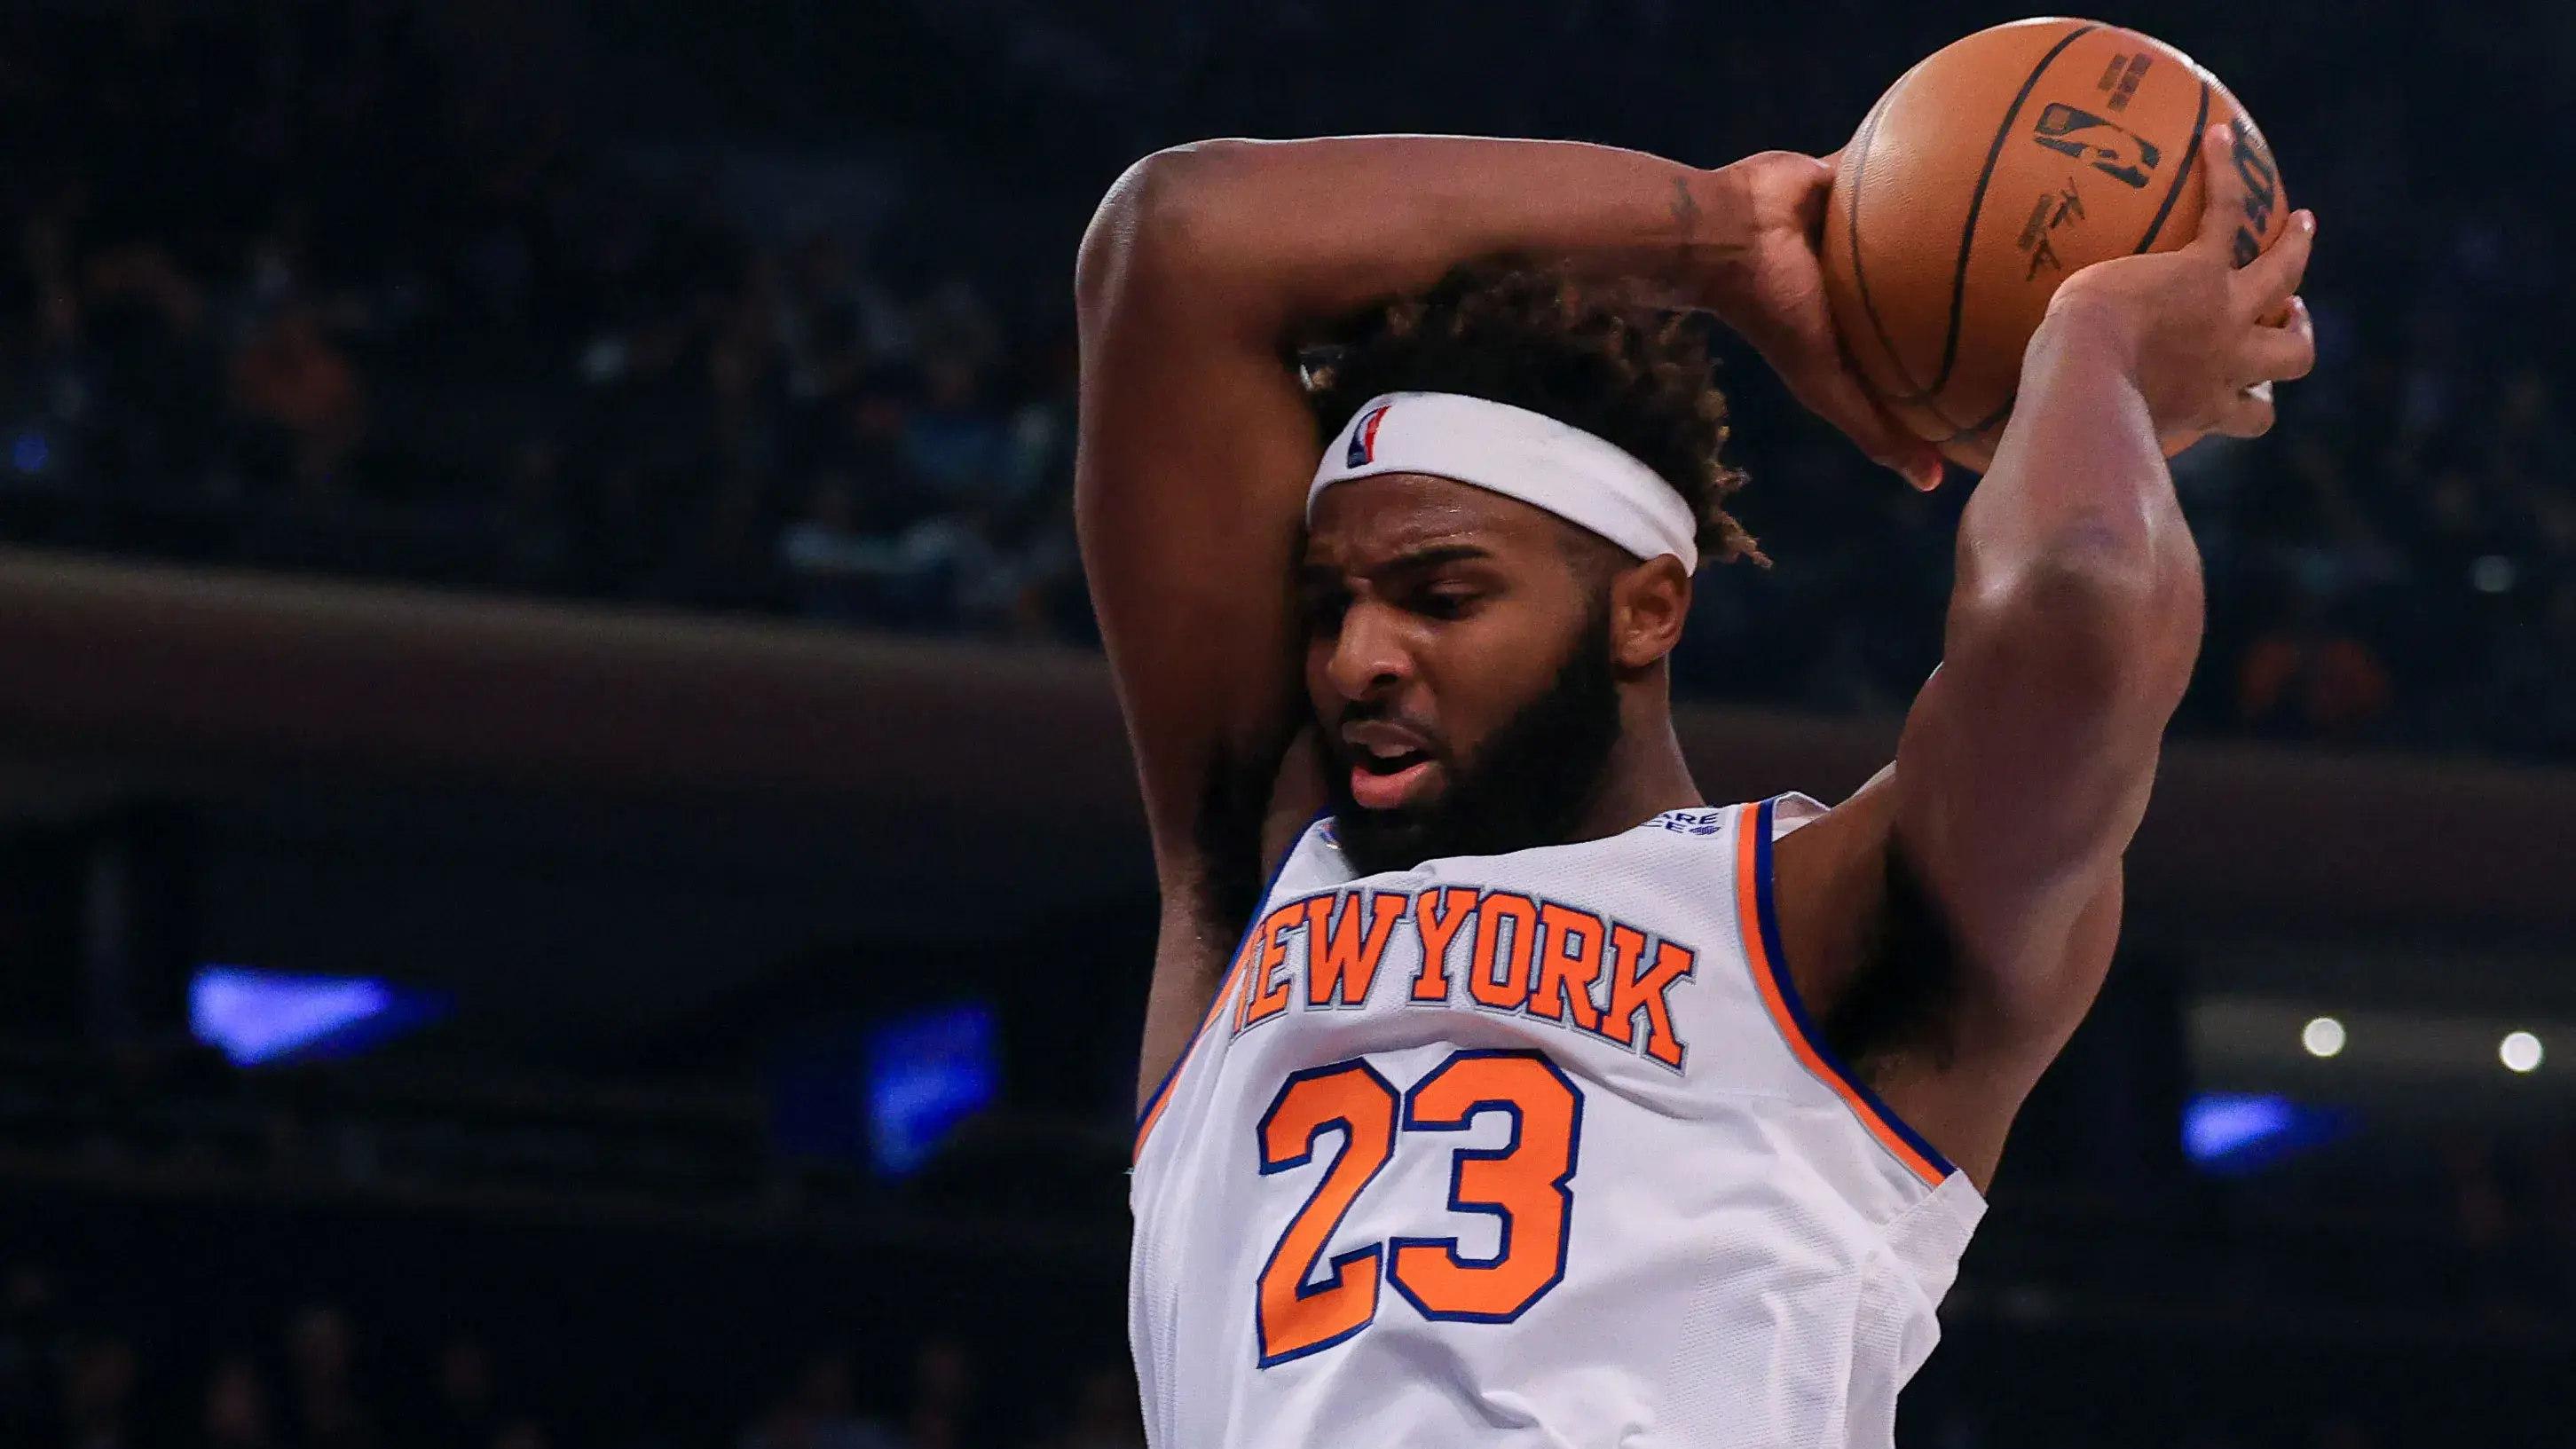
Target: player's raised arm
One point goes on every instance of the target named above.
(2026, 761)
(1202, 268)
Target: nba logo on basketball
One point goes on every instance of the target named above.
(1364, 437)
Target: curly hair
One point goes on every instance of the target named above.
(1531, 336)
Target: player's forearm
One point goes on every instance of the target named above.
(1281, 232)
(2026, 762)
(2074, 557)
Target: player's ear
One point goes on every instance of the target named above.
(1647, 606)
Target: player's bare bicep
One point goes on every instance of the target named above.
(1196, 447)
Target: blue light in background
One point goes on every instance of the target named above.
(926, 1073)
(2218, 1123)
(261, 1017)
(2233, 1132)
(29, 452)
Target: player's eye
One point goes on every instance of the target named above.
(1446, 600)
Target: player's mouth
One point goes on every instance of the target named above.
(1390, 765)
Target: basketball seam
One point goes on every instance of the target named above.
(2190, 153)
(1976, 203)
(1860, 276)
(1997, 416)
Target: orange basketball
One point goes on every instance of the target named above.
(1991, 171)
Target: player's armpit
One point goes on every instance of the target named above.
(1880, 964)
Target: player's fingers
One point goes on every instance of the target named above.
(2270, 280)
(1835, 395)
(1823, 378)
(1814, 180)
(1914, 458)
(2224, 208)
(2248, 414)
(2284, 352)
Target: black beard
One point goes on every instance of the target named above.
(1529, 785)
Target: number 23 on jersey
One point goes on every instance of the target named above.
(1526, 1184)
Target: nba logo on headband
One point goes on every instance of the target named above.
(1363, 450)
(1517, 453)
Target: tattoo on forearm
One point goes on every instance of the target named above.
(1685, 213)
(1689, 251)
(1686, 218)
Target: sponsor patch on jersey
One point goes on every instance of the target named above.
(1692, 822)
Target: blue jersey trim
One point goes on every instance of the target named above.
(1778, 964)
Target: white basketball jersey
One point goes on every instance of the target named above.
(1536, 1149)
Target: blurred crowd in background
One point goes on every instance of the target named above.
(2093, 1323)
(284, 294)
(293, 286)
(320, 1380)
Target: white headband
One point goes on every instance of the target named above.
(1519, 454)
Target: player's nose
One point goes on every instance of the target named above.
(1370, 653)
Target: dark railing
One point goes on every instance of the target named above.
(175, 675)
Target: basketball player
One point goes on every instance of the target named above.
(1535, 1101)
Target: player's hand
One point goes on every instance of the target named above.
(2203, 339)
(1770, 289)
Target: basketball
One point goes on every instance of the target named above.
(1992, 171)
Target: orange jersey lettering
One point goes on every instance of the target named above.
(1341, 961)
(1568, 964)
(1266, 994)
(1500, 977)
(1633, 990)
(1437, 915)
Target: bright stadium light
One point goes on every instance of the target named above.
(2323, 1037)
(2520, 1052)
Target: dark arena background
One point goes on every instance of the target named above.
(569, 873)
